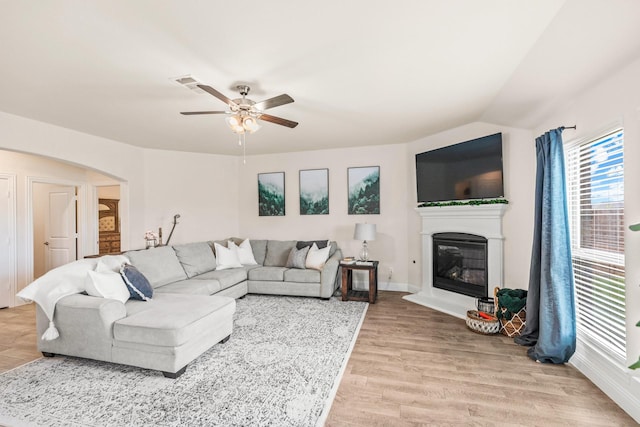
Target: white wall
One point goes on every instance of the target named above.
(398, 242)
(202, 188)
(155, 184)
(519, 180)
(616, 98)
(390, 245)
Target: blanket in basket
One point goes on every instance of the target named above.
(512, 301)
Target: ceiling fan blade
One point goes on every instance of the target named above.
(191, 113)
(273, 102)
(217, 94)
(278, 120)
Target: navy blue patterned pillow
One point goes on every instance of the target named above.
(138, 285)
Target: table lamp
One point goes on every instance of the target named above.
(364, 232)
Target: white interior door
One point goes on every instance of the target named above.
(6, 276)
(60, 227)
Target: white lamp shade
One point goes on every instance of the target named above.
(365, 232)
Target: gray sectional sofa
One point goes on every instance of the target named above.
(191, 309)
(191, 269)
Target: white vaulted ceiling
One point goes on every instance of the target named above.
(361, 72)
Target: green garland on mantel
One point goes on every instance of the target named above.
(465, 203)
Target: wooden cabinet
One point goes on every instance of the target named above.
(109, 243)
(108, 226)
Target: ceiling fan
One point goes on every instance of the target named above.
(243, 113)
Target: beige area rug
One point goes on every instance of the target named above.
(281, 367)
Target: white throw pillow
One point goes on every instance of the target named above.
(106, 285)
(316, 258)
(245, 252)
(226, 258)
(111, 263)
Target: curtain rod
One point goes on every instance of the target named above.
(568, 127)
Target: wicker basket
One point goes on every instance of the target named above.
(482, 325)
(514, 326)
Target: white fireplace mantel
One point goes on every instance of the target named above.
(481, 220)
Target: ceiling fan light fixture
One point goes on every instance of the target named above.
(242, 113)
(251, 124)
(235, 123)
(234, 120)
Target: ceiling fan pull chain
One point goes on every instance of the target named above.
(244, 151)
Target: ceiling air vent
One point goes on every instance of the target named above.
(189, 82)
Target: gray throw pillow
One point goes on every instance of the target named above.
(334, 248)
(159, 265)
(278, 252)
(297, 258)
(196, 258)
(259, 250)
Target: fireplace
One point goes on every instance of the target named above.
(460, 263)
(481, 221)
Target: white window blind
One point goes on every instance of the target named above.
(595, 178)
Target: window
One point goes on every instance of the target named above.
(595, 178)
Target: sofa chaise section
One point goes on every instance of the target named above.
(164, 334)
(175, 329)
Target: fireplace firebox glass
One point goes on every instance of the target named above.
(460, 263)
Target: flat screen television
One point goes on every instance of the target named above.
(467, 170)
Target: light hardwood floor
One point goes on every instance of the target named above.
(17, 336)
(414, 366)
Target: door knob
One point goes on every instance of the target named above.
(46, 243)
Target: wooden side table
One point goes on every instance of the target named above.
(348, 293)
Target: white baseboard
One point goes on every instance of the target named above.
(614, 380)
(397, 287)
(361, 282)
